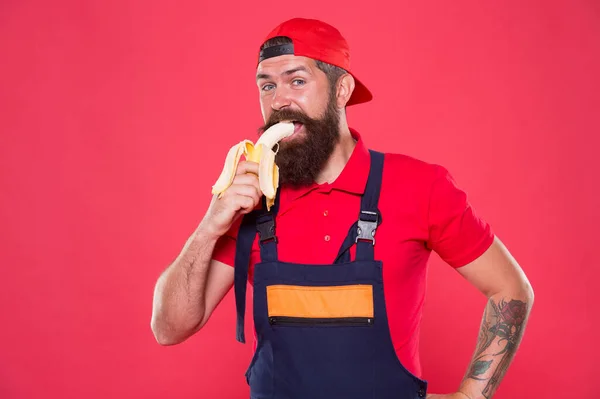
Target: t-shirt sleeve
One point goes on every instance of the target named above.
(456, 233)
(225, 247)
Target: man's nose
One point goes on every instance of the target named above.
(281, 99)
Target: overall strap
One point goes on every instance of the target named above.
(245, 238)
(362, 232)
(263, 222)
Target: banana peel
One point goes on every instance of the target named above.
(261, 153)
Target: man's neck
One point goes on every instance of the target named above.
(339, 157)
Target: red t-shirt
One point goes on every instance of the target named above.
(422, 210)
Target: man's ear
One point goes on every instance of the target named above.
(345, 87)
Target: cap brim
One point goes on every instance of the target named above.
(360, 94)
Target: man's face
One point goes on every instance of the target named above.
(293, 88)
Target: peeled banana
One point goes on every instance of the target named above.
(262, 153)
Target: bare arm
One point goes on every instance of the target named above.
(190, 289)
(510, 298)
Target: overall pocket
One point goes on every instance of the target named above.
(338, 305)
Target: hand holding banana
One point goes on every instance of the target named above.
(242, 183)
(261, 153)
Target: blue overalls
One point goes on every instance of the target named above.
(322, 330)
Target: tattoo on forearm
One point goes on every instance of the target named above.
(499, 337)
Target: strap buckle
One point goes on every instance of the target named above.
(266, 230)
(367, 226)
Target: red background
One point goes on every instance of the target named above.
(115, 118)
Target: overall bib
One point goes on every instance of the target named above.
(322, 330)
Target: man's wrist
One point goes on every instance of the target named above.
(205, 234)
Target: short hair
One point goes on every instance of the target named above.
(332, 72)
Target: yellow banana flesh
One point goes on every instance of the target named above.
(261, 153)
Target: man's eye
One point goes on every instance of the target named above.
(301, 82)
(267, 87)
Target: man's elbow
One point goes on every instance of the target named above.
(169, 336)
(525, 289)
(166, 339)
(162, 336)
(529, 294)
(520, 290)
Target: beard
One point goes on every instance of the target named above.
(302, 158)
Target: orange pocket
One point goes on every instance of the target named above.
(347, 301)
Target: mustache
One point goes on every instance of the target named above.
(285, 115)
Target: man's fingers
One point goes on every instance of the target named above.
(246, 190)
(245, 204)
(247, 167)
(244, 193)
(247, 179)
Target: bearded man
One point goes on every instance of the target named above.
(337, 308)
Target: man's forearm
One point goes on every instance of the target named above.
(500, 334)
(179, 297)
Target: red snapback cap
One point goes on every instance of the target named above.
(320, 41)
